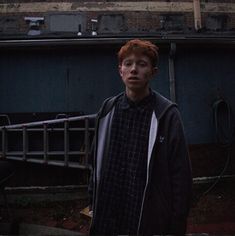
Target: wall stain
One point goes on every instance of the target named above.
(88, 5)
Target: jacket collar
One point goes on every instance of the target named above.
(162, 105)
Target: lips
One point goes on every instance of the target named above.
(133, 78)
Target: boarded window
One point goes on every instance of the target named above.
(113, 23)
(216, 22)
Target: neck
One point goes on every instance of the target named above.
(136, 96)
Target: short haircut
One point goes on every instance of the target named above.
(139, 47)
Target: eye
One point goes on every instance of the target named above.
(127, 63)
(142, 63)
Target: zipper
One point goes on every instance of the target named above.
(147, 182)
(141, 211)
(149, 159)
(95, 173)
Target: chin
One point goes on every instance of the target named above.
(136, 88)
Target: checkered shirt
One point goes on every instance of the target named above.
(125, 168)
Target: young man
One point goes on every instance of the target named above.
(141, 180)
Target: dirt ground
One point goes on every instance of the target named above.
(213, 213)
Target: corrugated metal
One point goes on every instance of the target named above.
(202, 76)
(78, 79)
(54, 81)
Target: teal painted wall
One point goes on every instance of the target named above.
(78, 80)
(68, 81)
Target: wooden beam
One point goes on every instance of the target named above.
(97, 6)
(218, 7)
(6, 8)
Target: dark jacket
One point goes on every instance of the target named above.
(167, 193)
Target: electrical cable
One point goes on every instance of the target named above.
(221, 138)
(224, 137)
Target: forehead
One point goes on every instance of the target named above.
(137, 57)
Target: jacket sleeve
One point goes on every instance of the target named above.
(106, 106)
(90, 184)
(181, 176)
(92, 156)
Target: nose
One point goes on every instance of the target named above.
(134, 68)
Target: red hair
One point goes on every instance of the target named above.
(138, 46)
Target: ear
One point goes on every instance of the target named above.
(154, 70)
(120, 70)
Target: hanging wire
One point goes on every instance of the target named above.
(224, 134)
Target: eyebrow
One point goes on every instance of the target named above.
(139, 60)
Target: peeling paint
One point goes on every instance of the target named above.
(115, 6)
(220, 7)
(74, 6)
(95, 6)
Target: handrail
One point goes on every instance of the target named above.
(55, 121)
(75, 158)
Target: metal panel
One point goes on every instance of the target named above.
(111, 23)
(160, 81)
(55, 81)
(79, 79)
(32, 81)
(93, 76)
(64, 81)
(203, 75)
(67, 22)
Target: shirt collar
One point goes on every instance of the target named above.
(146, 102)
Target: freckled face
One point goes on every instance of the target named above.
(136, 72)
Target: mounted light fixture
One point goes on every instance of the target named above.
(94, 27)
(79, 30)
(34, 25)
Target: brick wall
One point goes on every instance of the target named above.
(124, 22)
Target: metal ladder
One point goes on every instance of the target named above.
(18, 141)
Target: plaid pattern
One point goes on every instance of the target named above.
(124, 172)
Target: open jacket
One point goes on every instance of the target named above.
(167, 193)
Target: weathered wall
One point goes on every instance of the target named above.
(80, 78)
(122, 17)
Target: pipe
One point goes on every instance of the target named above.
(172, 72)
(197, 15)
(98, 40)
(209, 179)
(48, 122)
